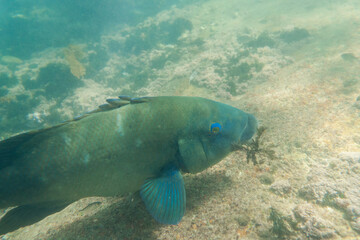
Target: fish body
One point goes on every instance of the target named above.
(127, 145)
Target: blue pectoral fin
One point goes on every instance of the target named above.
(165, 197)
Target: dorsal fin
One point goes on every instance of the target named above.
(113, 103)
(9, 146)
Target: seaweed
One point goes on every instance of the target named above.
(172, 31)
(279, 227)
(254, 150)
(3, 92)
(6, 80)
(241, 72)
(294, 35)
(73, 55)
(349, 86)
(243, 220)
(350, 57)
(166, 32)
(160, 61)
(237, 70)
(263, 40)
(266, 178)
(199, 42)
(54, 81)
(97, 59)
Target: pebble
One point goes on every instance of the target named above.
(11, 60)
(357, 103)
(350, 57)
(281, 187)
(194, 226)
(266, 178)
(356, 225)
(243, 220)
(312, 224)
(350, 157)
(319, 191)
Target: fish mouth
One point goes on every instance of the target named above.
(242, 143)
(239, 145)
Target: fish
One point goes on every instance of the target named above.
(126, 145)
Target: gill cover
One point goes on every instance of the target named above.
(193, 157)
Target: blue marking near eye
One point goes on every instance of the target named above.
(215, 128)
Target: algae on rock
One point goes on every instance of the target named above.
(73, 55)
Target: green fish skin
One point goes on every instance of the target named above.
(126, 145)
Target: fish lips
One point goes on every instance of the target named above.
(250, 129)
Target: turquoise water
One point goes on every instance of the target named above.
(294, 65)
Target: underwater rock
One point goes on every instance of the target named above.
(266, 178)
(348, 57)
(263, 40)
(357, 103)
(281, 228)
(166, 32)
(237, 70)
(243, 38)
(41, 25)
(73, 55)
(241, 72)
(171, 56)
(322, 193)
(137, 76)
(3, 92)
(56, 80)
(97, 58)
(6, 80)
(311, 224)
(243, 220)
(356, 225)
(329, 188)
(172, 31)
(349, 85)
(350, 157)
(294, 35)
(281, 187)
(10, 60)
(13, 112)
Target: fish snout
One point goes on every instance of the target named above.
(250, 128)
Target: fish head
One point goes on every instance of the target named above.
(216, 127)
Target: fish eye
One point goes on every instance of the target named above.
(215, 128)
